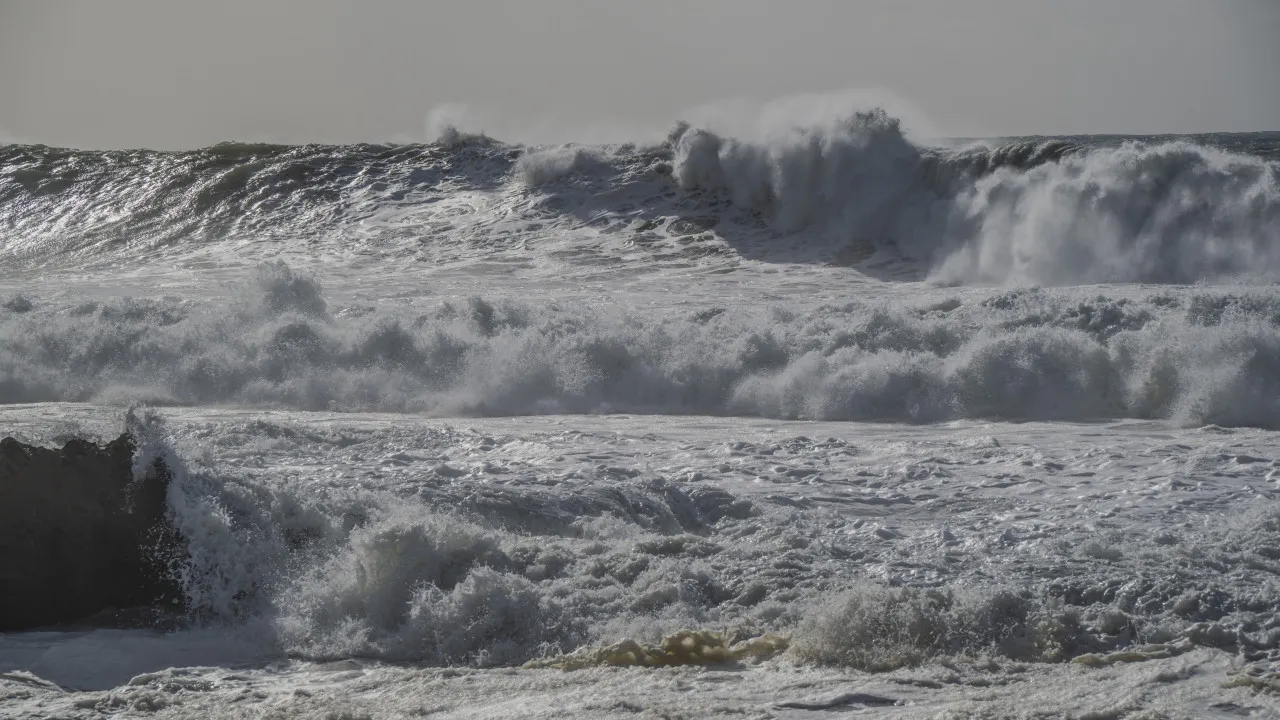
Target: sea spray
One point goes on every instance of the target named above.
(1048, 211)
(1020, 355)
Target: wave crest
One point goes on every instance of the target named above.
(1199, 358)
(1047, 211)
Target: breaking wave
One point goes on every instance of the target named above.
(1049, 212)
(447, 573)
(1197, 357)
(1042, 210)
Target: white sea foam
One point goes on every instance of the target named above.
(1169, 212)
(549, 165)
(576, 406)
(354, 539)
(1195, 357)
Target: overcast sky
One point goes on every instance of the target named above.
(178, 73)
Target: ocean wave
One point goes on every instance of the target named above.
(1048, 211)
(57, 203)
(1196, 358)
(681, 571)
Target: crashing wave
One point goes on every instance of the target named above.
(328, 572)
(1042, 210)
(1202, 357)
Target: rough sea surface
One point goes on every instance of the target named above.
(860, 424)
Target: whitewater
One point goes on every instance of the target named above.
(815, 420)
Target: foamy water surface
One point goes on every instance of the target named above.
(822, 422)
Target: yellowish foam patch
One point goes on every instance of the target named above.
(686, 647)
(1268, 683)
(1137, 654)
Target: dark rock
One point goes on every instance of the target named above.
(79, 537)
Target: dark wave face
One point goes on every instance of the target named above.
(56, 201)
(1043, 210)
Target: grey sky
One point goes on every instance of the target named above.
(172, 73)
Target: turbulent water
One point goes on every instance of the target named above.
(465, 429)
